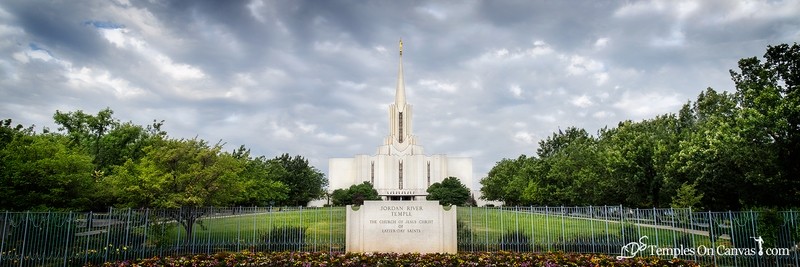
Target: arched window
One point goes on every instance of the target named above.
(372, 173)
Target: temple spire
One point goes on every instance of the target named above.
(400, 94)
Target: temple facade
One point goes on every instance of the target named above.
(399, 170)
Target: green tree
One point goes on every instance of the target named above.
(105, 138)
(305, 182)
(86, 130)
(496, 186)
(41, 172)
(566, 172)
(449, 192)
(713, 155)
(687, 197)
(769, 96)
(261, 180)
(179, 175)
(354, 195)
(637, 155)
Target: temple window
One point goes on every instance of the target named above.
(400, 130)
(401, 176)
(429, 173)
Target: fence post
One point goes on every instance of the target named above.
(547, 226)
(253, 245)
(563, 234)
(208, 236)
(486, 222)
(733, 236)
(315, 211)
(532, 243)
(655, 223)
(238, 230)
(591, 227)
(622, 223)
(300, 233)
(516, 227)
(471, 235)
(3, 238)
(793, 216)
(24, 239)
(674, 232)
(713, 238)
(502, 228)
(691, 227)
(146, 226)
(608, 236)
(755, 232)
(178, 230)
(108, 234)
(127, 233)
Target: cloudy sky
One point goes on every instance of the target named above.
(488, 79)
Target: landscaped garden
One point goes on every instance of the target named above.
(500, 258)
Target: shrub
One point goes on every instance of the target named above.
(516, 241)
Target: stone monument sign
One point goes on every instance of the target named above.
(401, 227)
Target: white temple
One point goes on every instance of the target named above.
(399, 170)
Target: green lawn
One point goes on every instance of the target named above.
(321, 226)
(325, 226)
(491, 225)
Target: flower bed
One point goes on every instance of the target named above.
(501, 258)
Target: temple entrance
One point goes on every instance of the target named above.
(400, 198)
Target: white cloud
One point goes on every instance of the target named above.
(255, 10)
(352, 85)
(360, 127)
(582, 101)
(501, 52)
(515, 90)
(281, 132)
(601, 42)
(602, 114)
(646, 104)
(331, 138)
(178, 72)
(464, 122)
(579, 65)
(600, 78)
(122, 39)
(86, 78)
(539, 48)
(306, 128)
(438, 86)
(327, 46)
(544, 118)
(21, 57)
(675, 38)
(524, 137)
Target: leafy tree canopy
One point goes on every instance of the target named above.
(449, 192)
(355, 195)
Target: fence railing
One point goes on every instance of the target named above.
(746, 238)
